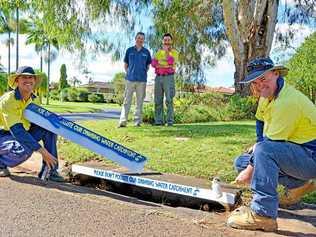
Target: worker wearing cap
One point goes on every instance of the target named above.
(286, 149)
(18, 137)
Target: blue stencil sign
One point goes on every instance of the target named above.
(185, 190)
(85, 137)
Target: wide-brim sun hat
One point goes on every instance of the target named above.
(258, 67)
(25, 70)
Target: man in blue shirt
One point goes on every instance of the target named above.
(136, 65)
(18, 137)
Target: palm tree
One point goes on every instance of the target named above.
(41, 40)
(17, 38)
(36, 36)
(48, 58)
(6, 27)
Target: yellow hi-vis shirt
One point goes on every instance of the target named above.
(161, 56)
(291, 116)
(11, 110)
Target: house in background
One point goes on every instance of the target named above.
(221, 90)
(227, 91)
(99, 87)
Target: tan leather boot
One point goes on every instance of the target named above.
(244, 218)
(294, 195)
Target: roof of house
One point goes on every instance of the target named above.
(98, 84)
(221, 89)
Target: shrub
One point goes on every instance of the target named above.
(54, 95)
(96, 98)
(109, 97)
(63, 95)
(82, 94)
(72, 94)
(194, 108)
(100, 98)
(241, 108)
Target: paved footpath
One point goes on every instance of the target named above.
(105, 114)
(31, 207)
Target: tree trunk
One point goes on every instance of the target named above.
(48, 75)
(250, 27)
(17, 39)
(313, 95)
(41, 61)
(9, 53)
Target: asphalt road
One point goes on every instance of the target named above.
(31, 207)
(106, 114)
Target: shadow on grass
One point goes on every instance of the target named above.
(198, 130)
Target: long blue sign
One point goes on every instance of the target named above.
(85, 137)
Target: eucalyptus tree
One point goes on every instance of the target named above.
(206, 26)
(303, 68)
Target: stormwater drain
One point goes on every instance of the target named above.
(152, 195)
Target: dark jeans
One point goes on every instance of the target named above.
(12, 153)
(276, 162)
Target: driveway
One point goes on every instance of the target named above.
(106, 114)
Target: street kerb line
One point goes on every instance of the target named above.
(184, 190)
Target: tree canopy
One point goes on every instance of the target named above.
(202, 29)
(303, 68)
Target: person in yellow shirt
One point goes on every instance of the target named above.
(18, 137)
(164, 62)
(285, 151)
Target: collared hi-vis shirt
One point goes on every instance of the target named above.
(12, 120)
(290, 117)
(165, 62)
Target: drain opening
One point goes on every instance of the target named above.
(147, 194)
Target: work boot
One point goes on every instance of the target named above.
(294, 195)
(4, 172)
(56, 177)
(244, 218)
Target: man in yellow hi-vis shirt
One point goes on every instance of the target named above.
(285, 151)
(18, 137)
(164, 63)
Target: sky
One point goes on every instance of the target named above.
(102, 67)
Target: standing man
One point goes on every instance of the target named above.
(286, 154)
(164, 63)
(18, 137)
(136, 65)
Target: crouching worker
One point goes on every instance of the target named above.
(287, 153)
(18, 137)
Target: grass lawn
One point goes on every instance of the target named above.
(201, 150)
(77, 107)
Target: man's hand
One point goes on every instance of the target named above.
(50, 160)
(244, 176)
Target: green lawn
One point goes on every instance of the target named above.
(77, 107)
(201, 150)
